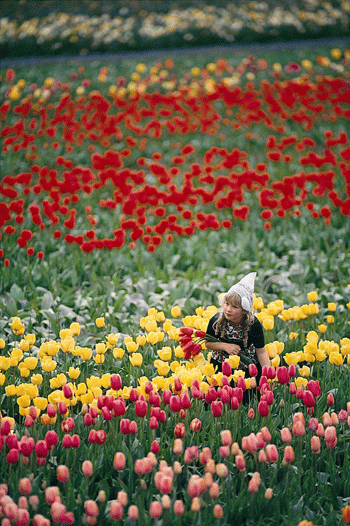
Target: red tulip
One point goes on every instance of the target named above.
(263, 408)
(282, 375)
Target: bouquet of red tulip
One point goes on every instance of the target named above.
(191, 342)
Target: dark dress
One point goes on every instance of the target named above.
(234, 334)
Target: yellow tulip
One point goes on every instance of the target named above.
(271, 349)
(31, 362)
(322, 328)
(258, 303)
(275, 362)
(336, 358)
(112, 340)
(99, 358)
(118, 353)
(268, 323)
(175, 311)
(304, 371)
(106, 380)
(208, 370)
(100, 348)
(87, 398)
(67, 344)
(310, 357)
(75, 328)
(141, 340)
(65, 333)
(100, 322)
(300, 381)
(332, 307)
(2, 343)
(93, 381)
(49, 365)
(163, 368)
(86, 354)
(152, 337)
(291, 358)
(168, 326)
(4, 363)
(2, 379)
(136, 359)
(24, 345)
(81, 389)
(10, 390)
(40, 403)
(73, 373)
(234, 360)
(131, 346)
(336, 54)
(23, 401)
(178, 352)
(165, 353)
(17, 326)
(320, 355)
(312, 296)
(24, 371)
(330, 319)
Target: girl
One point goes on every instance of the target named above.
(238, 330)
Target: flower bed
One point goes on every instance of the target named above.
(40, 28)
(123, 430)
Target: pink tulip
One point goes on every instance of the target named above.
(330, 436)
(298, 429)
(195, 425)
(288, 455)
(119, 461)
(271, 453)
(308, 399)
(252, 369)
(263, 408)
(218, 512)
(155, 509)
(116, 511)
(226, 368)
(314, 387)
(180, 430)
(67, 391)
(286, 435)
(216, 408)
(315, 444)
(330, 399)
(62, 473)
(282, 375)
(185, 400)
(179, 508)
(292, 370)
(87, 468)
(240, 462)
(175, 403)
(226, 437)
(116, 382)
(253, 484)
(133, 512)
(25, 486)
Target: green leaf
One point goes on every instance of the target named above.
(11, 305)
(47, 300)
(17, 293)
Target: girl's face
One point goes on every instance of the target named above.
(232, 312)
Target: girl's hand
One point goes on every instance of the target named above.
(232, 348)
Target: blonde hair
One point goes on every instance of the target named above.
(247, 318)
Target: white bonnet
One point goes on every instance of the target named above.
(245, 288)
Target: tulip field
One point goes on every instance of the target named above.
(133, 192)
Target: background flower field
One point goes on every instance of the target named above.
(134, 193)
